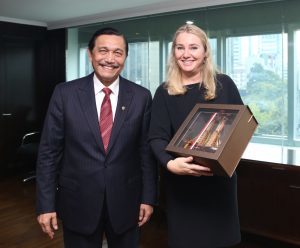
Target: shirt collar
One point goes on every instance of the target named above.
(98, 86)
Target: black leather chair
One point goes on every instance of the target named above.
(27, 154)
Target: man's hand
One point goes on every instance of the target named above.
(48, 222)
(145, 214)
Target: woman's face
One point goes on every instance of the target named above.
(189, 53)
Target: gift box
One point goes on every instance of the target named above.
(215, 135)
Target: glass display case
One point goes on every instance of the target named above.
(216, 135)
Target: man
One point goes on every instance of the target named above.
(97, 173)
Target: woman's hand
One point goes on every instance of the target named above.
(184, 166)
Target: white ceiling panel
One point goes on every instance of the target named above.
(66, 13)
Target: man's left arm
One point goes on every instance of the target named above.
(149, 168)
(145, 213)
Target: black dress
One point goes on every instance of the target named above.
(201, 211)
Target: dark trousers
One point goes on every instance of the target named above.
(129, 239)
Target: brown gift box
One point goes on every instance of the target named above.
(216, 135)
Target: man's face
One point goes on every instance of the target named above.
(108, 57)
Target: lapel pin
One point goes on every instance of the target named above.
(123, 108)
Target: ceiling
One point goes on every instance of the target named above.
(66, 13)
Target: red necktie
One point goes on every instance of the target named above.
(106, 118)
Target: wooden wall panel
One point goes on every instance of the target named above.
(269, 200)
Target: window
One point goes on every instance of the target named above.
(258, 49)
(213, 46)
(85, 67)
(258, 65)
(297, 86)
(142, 64)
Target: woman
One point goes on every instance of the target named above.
(201, 208)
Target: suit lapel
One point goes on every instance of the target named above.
(87, 101)
(123, 105)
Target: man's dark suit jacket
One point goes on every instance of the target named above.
(73, 171)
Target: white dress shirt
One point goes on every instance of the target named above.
(99, 95)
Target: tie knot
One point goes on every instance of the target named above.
(106, 91)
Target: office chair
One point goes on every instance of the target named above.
(27, 154)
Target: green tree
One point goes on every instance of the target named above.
(266, 95)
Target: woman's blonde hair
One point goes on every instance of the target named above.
(174, 81)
